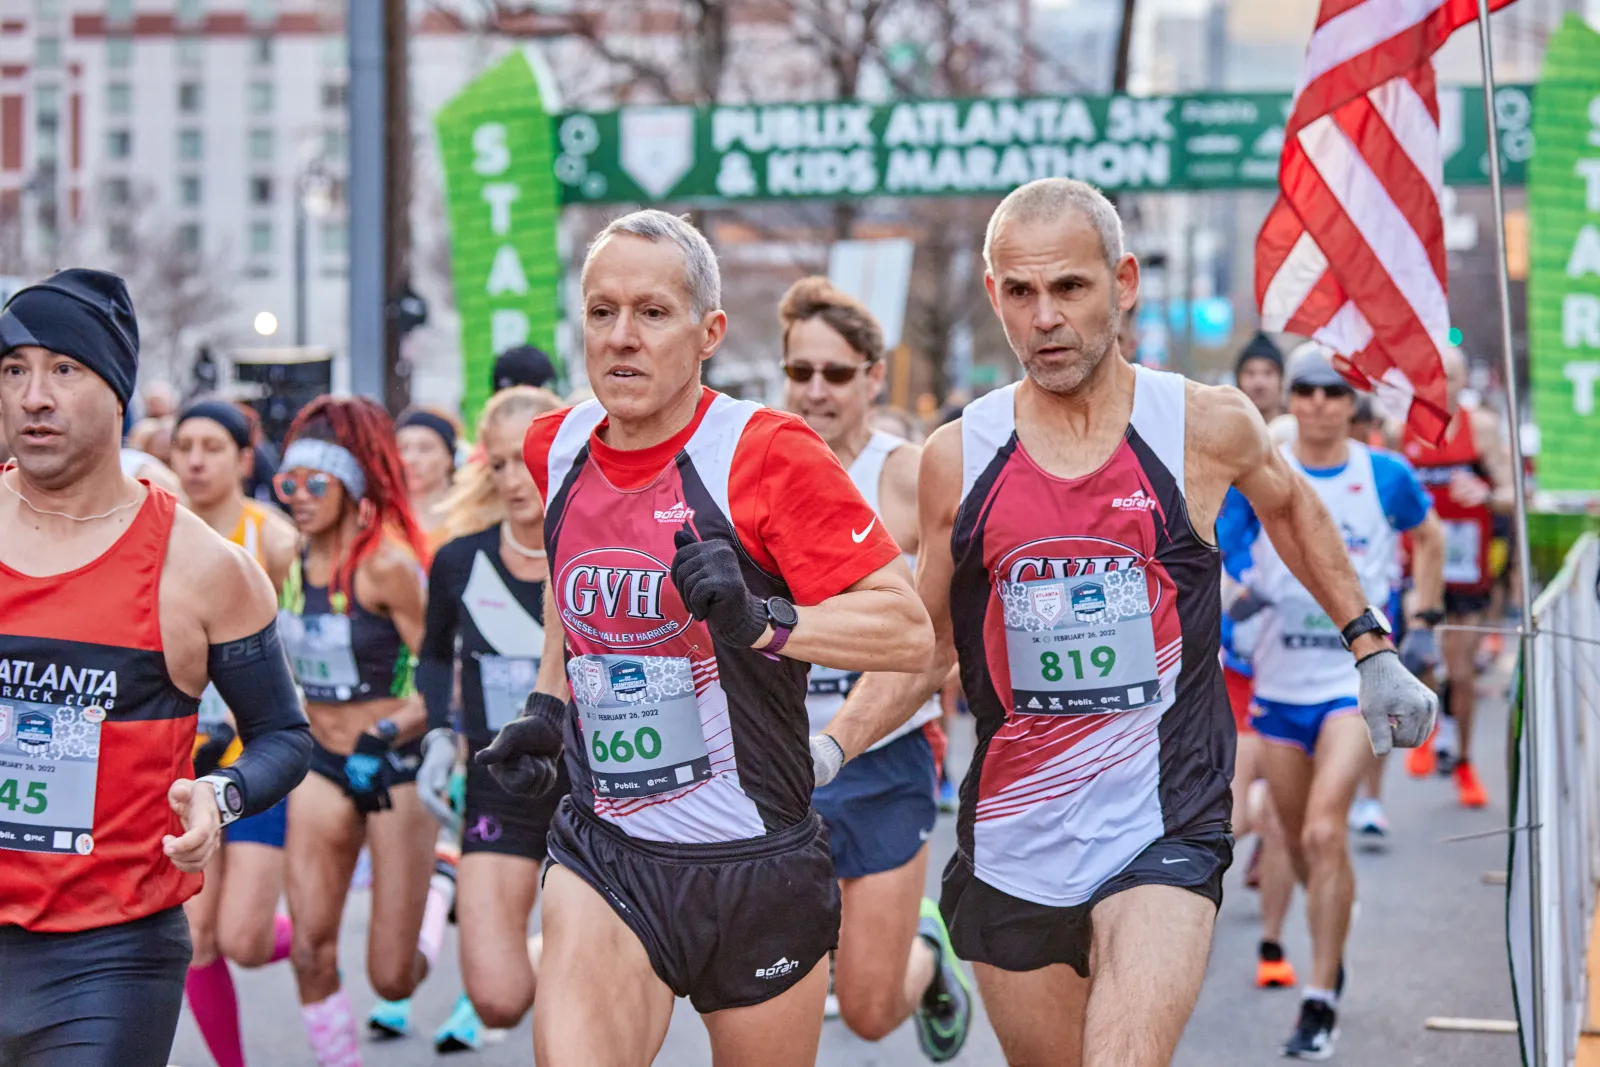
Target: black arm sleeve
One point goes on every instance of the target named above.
(253, 678)
(436, 658)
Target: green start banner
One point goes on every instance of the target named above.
(847, 149)
(1564, 263)
(496, 140)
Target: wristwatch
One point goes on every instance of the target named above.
(230, 801)
(386, 730)
(1373, 620)
(782, 617)
(1431, 617)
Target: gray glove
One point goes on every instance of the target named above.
(1419, 651)
(433, 777)
(826, 759)
(1398, 708)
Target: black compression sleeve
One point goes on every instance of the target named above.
(435, 681)
(252, 676)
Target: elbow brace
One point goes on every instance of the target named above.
(253, 678)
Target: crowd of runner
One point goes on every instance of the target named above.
(682, 666)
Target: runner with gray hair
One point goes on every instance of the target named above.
(702, 278)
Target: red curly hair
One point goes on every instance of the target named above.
(364, 429)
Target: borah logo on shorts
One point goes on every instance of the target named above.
(784, 966)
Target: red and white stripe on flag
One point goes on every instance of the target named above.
(1352, 254)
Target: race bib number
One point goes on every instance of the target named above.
(321, 653)
(1463, 541)
(641, 723)
(507, 681)
(49, 769)
(1081, 645)
(1305, 626)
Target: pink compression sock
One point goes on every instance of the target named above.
(332, 1031)
(216, 1011)
(282, 936)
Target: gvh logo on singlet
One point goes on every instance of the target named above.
(616, 596)
(676, 514)
(1073, 557)
(1137, 502)
(55, 683)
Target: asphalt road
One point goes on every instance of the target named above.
(1429, 941)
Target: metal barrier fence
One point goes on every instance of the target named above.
(1563, 690)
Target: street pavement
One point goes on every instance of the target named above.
(1429, 941)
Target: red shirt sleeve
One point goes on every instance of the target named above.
(536, 448)
(797, 512)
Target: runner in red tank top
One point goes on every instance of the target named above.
(104, 650)
(1469, 477)
(1068, 563)
(702, 551)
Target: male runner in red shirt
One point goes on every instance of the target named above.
(702, 552)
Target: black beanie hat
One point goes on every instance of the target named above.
(85, 314)
(523, 365)
(1260, 347)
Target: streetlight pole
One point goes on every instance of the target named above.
(300, 314)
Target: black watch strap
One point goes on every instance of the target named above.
(1431, 617)
(1365, 623)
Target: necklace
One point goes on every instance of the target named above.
(62, 514)
(516, 546)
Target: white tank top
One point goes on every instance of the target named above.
(829, 686)
(1298, 656)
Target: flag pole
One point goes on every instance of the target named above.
(1533, 818)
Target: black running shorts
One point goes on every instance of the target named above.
(726, 925)
(993, 927)
(99, 998)
(504, 823)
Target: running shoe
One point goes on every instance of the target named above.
(945, 1011)
(1469, 790)
(1315, 1033)
(1273, 970)
(390, 1019)
(462, 1032)
(1422, 761)
(949, 800)
(1368, 819)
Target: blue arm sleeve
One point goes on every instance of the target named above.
(1405, 502)
(1237, 530)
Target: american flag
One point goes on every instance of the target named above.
(1352, 254)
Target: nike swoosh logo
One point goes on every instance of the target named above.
(862, 536)
(1180, 860)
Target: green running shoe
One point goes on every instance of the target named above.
(462, 1032)
(945, 1013)
(390, 1019)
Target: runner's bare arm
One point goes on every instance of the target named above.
(1427, 563)
(1496, 451)
(897, 496)
(1233, 442)
(553, 665)
(876, 624)
(394, 578)
(881, 701)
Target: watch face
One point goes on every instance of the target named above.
(235, 799)
(782, 612)
(1383, 620)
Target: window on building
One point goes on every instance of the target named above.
(47, 54)
(260, 98)
(47, 9)
(119, 144)
(263, 11)
(189, 237)
(261, 190)
(261, 145)
(190, 146)
(334, 51)
(332, 239)
(191, 52)
(335, 144)
(333, 95)
(119, 238)
(261, 50)
(119, 51)
(189, 190)
(260, 238)
(119, 98)
(189, 98)
(119, 12)
(47, 111)
(191, 11)
(118, 192)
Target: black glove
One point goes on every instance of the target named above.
(524, 753)
(711, 583)
(366, 774)
(208, 756)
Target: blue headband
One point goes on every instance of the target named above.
(329, 458)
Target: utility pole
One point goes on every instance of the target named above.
(397, 180)
(368, 349)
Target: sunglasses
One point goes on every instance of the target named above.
(315, 483)
(1332, 392)
(833, 373)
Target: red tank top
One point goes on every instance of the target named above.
(1467, 530)
(93, 732)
